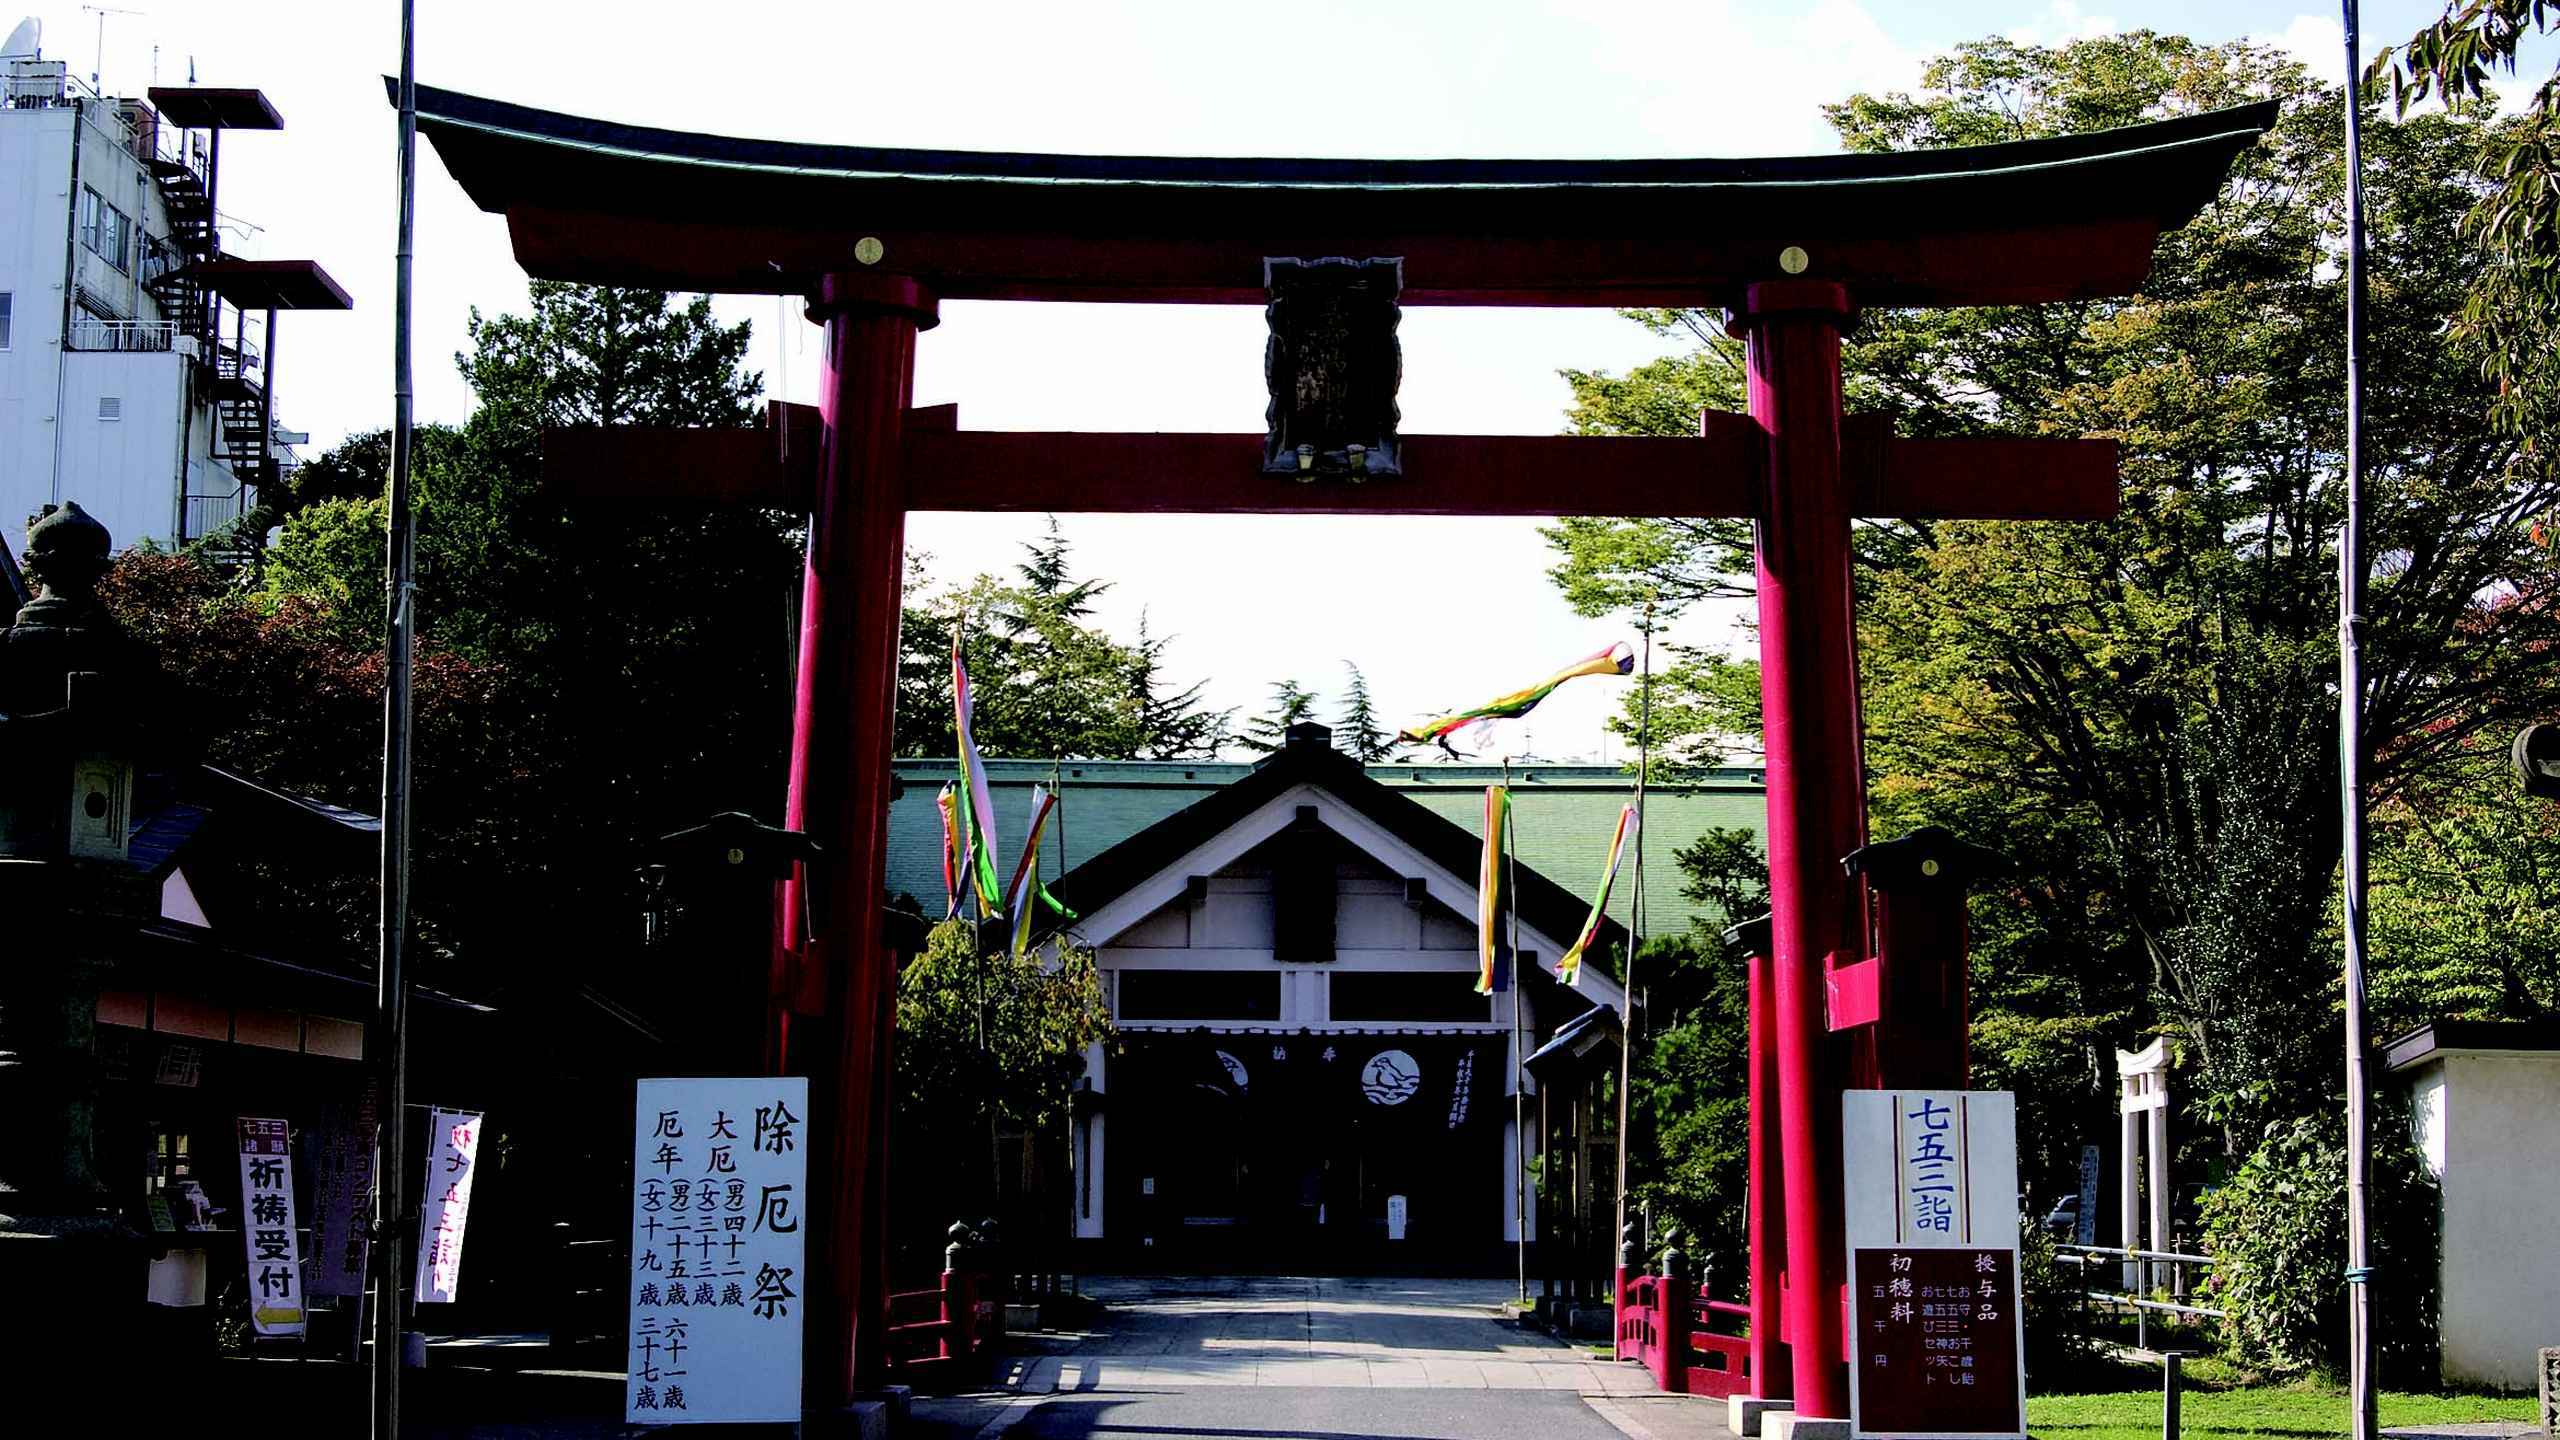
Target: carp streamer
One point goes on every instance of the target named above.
(1617, 659)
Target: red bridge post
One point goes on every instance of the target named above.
(1816, 787)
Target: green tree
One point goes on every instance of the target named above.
(645, 649)
(1290, 704)
(1046, 682)
(2140, 711)
(2465, 901)
(2512, 310)
(1357, 732)
(989, 1043)
(1175, 724)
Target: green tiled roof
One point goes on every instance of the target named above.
(1562, 816)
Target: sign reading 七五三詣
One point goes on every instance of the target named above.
(1935, 1335)
(718, 1254)
(453, 1152)
(266, 1226)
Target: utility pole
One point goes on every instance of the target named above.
(2351, 761)
(391, 981)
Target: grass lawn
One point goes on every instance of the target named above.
(2298, 1412)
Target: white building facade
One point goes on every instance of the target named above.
(1305, 1072)
(2485, 1108)
(136, 356)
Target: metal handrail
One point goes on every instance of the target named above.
(2102, 1252)
(121, 336)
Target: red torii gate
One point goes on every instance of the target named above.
(875, 238)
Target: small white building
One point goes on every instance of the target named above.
(137, 358)
(2485, 1106)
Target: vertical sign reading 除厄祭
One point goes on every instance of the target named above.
(266, 1226)
(453, 1152)
(718, 1254)
(1931, 1180)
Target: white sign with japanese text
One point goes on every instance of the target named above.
(718, 1253)
(453, 1151)
(1931, 1180)
(266, 1226)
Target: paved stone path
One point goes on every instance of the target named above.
(1425, 1334)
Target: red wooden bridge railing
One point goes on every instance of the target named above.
(1690, 1343)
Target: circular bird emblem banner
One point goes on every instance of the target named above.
(1390, 1078)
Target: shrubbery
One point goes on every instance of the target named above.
(2278, 1236)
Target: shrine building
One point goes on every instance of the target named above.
(1305, 1074)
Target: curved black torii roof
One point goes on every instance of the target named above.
(2017, 223)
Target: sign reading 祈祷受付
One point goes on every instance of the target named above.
(453, 1150)
(1932, 1205)
(719, 1176)
(266, 1226)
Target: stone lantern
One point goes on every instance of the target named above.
(73, 686)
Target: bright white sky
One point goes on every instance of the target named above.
(1440, 613)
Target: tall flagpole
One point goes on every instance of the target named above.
(1519, 1040)
(391, 983)
(1635, 920)
(2351, 778)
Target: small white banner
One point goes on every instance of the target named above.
(718, 1253)
(266, 1224)
(453, 1150)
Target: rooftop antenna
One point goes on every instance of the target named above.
(26, 42)
(99, 60)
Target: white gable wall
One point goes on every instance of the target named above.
(1155, 925)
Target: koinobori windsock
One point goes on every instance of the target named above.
(1569, 969)
(1490, 942)
(980, 848)
(1617, 659)
(1027, 886)
(952, 862)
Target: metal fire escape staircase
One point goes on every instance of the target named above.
(195, 282)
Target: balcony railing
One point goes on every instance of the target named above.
(209, 513)
(122, 336)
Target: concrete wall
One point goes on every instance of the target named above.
(2500, 1135)
(35, 175)
(53, 443)
(123, 471)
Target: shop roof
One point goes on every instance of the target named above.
(2493, 1037)
(208, 107)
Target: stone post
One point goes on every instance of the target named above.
(70, 681)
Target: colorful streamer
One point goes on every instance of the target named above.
(1569, 969)
(1616, 659)
(948, 804)
(1026, 876)
(981, 841)
(1489, 897)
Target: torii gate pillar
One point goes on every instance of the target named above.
(1816, 789)
(833, 967)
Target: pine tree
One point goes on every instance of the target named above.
(1171, 727)
(1358, 733)
(1045, 576)
(1290, 703)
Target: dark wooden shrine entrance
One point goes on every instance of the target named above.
(1863, 980)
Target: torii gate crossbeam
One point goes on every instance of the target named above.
(874, 238)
